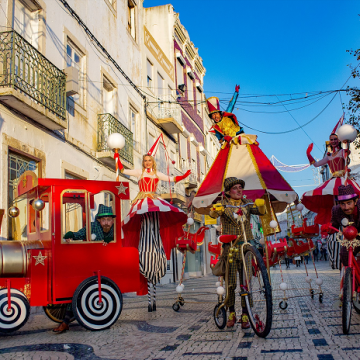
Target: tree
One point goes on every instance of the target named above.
(353, 107)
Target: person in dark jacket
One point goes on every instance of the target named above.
(102, 229)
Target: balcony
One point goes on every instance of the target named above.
(30, 83)
(178, 195)
(168, 115)
(107, 125)
(191, 181)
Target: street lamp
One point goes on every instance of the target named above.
(346, 134)
(116, 142)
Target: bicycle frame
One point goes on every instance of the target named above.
(355, 272)
(227, 266)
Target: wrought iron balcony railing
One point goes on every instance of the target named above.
(168, 108)
(164, 186)
(24, 68)
(108, 124)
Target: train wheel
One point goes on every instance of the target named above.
(259, 298)
(56, 312)
(176, 306)
(347, 301)
(18, 314)
(88, 310)
(220, 319)
(283, 305)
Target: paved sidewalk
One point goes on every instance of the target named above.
(307, 329)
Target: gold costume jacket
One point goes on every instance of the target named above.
(232, 226)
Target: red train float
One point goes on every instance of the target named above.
(44, 270)
(276, 251)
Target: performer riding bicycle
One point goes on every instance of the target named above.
(230, 226)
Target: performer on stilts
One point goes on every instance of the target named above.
(225, 125)
(321, 199)
(153, 224)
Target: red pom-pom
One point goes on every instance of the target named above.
(173, 162)
(350, 232)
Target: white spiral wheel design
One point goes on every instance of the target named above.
(87, 309)
(17, 316)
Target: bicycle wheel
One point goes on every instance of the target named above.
(220, 320)
(347, 301)
(57, 312)
(259, 298)
(356, 303)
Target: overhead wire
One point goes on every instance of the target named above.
(289, 131)
(302, 128)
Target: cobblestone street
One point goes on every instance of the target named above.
(307, 329)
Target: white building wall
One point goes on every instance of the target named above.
(76, 146)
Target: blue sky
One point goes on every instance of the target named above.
(275, 47)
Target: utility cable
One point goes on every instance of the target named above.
(300, 125)
(289, 131)
(96, 41)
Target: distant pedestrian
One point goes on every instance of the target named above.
(306, 258)
(297, 261)
(325, 252)
(316, 253)
(287, 262)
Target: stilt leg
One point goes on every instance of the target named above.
(149, 297)
(154, 298)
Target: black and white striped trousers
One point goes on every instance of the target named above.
(151, 251)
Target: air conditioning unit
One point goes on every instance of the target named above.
(180, 58)
(190, 72)
(72, 81)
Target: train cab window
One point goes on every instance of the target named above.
(45, 214)
(73, 215)
(102, 214)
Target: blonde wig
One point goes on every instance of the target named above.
(153, 160)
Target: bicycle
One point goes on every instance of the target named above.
(257, 289)
(351, 277)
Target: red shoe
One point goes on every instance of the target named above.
(245, 324)
(232, 320)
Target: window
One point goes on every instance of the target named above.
(190, 90)
(75, 208)
(17, 165)
(45, 214)
(183, 151)
(134, 126)
(179, 73)
(72, 177)
(131, 18)
(198, 101)
(202, 164)
(109, 96)
(170, 92)
(149, 77)
(173, 158)
(160, 84)
(27, 22)
(76, 59)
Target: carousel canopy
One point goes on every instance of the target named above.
(247, 162)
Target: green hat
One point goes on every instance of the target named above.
(231, 181)
(105, 211)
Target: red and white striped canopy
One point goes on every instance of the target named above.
(249, 163)
(321, 199)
